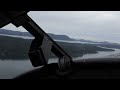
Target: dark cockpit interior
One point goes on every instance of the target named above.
(65, 68)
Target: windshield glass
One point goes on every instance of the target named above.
(82, 34)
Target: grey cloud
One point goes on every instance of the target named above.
(91, 25)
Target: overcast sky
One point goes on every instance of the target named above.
(90, 25)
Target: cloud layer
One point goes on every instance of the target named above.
(92, 25)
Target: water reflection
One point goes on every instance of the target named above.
(11, 68)
(101, 54)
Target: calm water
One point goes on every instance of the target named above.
(9, 68)
(23, 37)
(75, 42)
(101, 54)
(27, 37)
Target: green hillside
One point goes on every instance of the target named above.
(17, 48)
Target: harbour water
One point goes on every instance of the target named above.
(11, 68)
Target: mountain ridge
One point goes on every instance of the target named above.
(53, 36)
(11, 51)
(18, 48)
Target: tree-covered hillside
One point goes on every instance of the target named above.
(17, 48)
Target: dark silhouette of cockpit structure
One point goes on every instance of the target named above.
(43, 45)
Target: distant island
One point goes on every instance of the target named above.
(10, 32)
(53, 36)
(17, 48)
